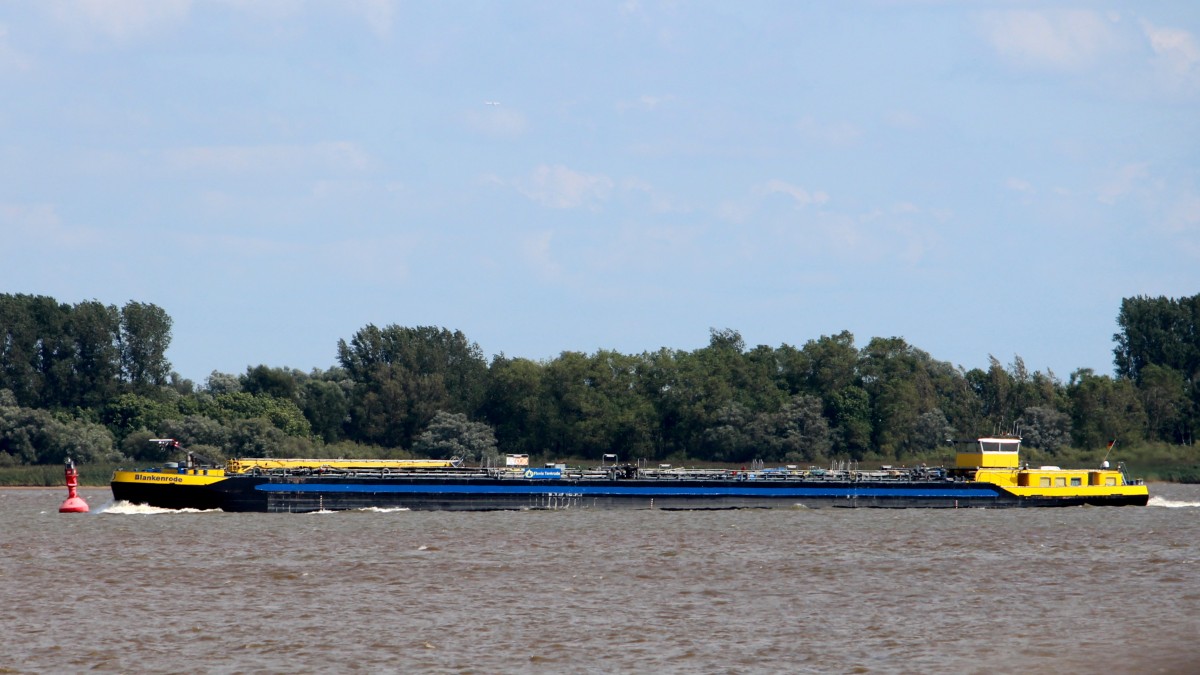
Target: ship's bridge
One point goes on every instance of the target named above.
(993, 452)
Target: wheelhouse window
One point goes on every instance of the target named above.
(993, 445)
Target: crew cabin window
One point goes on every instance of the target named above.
(1045, 482)
(1110, 481)
(1060, 482)
(1076, 482)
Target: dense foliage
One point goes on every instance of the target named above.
(93, 382)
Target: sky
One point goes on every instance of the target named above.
(978, 178)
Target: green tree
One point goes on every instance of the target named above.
(1104, 409)
(24, 340)
(257, 437)
(730, 437)
(895, 376)
(593, 405)
(281, 413)
(278, 382)
(624, 419)
(222, 383)
(513, 404)
(1160, 331)
(326, 406)
(1045, 428)
(852, 426)
(145, 336)
(933, 431)
(201, 434)
(831, 364)
(995, 390)
(798, 432)
(96, 367)
(403, 376)
(1164, 396)
(668, 385)
(55, 353)
(133, 412)
(30, 436)
(453, 435)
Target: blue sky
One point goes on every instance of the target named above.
(975, 177)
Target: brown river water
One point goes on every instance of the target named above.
(134, 590)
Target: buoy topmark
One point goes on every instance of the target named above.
(74, 503)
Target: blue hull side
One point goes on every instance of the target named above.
(302, 494)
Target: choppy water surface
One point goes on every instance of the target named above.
(127, 589)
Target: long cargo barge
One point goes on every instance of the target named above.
(987, 474)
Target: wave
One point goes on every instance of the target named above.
(365, 509)
(1170, 503)
(124, 508)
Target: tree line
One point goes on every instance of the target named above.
(92, 381)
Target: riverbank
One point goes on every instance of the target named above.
(51, 475)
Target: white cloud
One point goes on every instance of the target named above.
(1184, 216)
(342, 189)
(381, 260)
(1019, 185)
(845, 236)
(537, 252)
(1176, 51)
(120, 20)
(1056, 39)
(10, 59)
(733, 211)
(1122, 182)
(903, 120)
(377, 13)
(630, 7)
(40, 224)
(496, 121)
(903, 233)
(900, 233)
(646, 102)
(338, 156)
(659, 202)
(561, 188)
(231, 247)
(799, 195)
(831, 133)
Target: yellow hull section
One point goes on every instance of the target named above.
(235, 466)
(190, 477)
(1086, 491)
(208, 476)
(1054, 482)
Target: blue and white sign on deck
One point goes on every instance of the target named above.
(542, 474)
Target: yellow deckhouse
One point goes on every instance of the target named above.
(994, 460)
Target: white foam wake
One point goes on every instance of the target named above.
(125, 508)
(367, 509)
(1170, 503)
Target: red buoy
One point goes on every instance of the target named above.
(74, 503)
